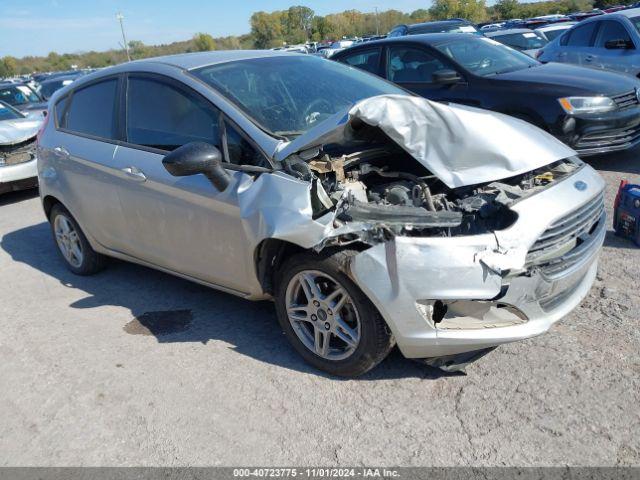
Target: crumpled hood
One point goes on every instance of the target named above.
(460, 145)
(20, 129)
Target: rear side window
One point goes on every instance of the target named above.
(368, 60)
(611, 30)
(92, 110)
(162, 116)
(582, 36)
(60, 111)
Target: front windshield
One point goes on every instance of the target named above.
(485, 57)
(18, 95)
(288, 95)
(8, 113)
(522, 41)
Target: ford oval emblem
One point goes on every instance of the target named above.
(580, 185)
(638, 94)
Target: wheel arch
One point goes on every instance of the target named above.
(48, 203)
(269, 256)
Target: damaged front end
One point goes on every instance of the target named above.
(471, 231)
(18, 150)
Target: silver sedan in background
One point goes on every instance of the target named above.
(610, 41)
(370, 216)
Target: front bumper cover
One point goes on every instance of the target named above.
(19, 176)
(403, 275)
(610, 132)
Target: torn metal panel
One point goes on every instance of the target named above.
(278, 206)
(460, 145)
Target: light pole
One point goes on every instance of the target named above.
(377, 22)
(120, 17)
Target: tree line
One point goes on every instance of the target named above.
(299, 24)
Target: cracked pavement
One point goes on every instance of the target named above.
(225, 388)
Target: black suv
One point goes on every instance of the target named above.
(593, 111)
(454, 25)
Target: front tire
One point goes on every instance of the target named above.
(73, 246)
(327, 318)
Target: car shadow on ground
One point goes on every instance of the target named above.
(19, 196)
(176, 310)
(613, 241)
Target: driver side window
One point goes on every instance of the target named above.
(160, 115)
(408, 64)
(611, 30)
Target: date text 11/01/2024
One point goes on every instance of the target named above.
(317, 472)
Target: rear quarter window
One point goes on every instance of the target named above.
(61, 105)
(92, 110)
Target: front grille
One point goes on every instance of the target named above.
(626, 100)
(18, 153)
(609, 140)
(558, 248)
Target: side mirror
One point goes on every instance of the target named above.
(198, 157)
(618, 44)
(446, 77)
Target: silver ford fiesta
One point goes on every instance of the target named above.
(370, 216)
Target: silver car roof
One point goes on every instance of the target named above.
(632, 12)
(557, 26)
(508, 31)
(189, 61)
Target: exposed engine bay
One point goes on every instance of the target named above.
(386, 187)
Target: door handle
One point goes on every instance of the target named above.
(134, 173)
(588, 58)
(61, 152)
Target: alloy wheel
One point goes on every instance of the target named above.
(323, 315)
(68, 241)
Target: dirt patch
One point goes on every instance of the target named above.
(160, 323)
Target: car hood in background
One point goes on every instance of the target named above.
(19, 130)
(578, 79)
(460, 145)
(39, 107)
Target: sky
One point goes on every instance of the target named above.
(37, 27)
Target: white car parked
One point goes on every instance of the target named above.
(18, 131)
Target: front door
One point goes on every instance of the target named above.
(180, 223)
(622, 59)
(413, 68)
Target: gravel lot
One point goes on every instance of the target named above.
(83, 383)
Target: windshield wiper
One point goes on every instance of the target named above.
(289, 133)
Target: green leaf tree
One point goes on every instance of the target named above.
(203, 42)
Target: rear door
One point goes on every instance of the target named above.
(84, 148)
(624, 60)
(577, 46)
(180, 223)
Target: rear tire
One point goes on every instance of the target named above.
(72, 244)
(327, 318)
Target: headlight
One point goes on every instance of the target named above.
(573, 105)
